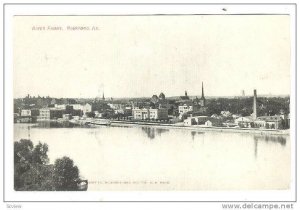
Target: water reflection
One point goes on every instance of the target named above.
(276, 139)
(152, 132)
(55, 124)
(194, 133)
(255, 147)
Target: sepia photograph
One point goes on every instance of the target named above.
(137, 101)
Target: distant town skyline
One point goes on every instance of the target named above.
(139, 56)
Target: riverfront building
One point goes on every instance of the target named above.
(152, 114)
(50, 113)
(263, 122)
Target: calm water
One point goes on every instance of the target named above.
(143, 158)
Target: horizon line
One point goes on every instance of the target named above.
(128, 97)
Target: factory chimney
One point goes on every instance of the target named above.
(254, 115)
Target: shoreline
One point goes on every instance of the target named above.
(202, 129)
(192, 128)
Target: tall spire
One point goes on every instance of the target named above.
(103, 98)
(202, 91)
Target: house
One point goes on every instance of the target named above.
(208, 123)
(87, 108)
(244, 122)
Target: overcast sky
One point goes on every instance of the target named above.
(138, 56)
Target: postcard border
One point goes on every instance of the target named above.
(112, 4)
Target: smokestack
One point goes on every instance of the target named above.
(202, 91)
(254, 105)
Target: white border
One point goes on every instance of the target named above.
(11, 195)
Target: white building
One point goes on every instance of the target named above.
(140, 114)
(153, 114)
(60, 106)
(25, 112)
(87, 108)
(184, 108)
(208, 123)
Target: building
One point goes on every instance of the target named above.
(44, 114)
(185, 107)
(152, 114)
(244, 122)
(77, 106)
(198, 120)
(128, 110)
(60, 106)
(140, 114)
(50, 113)
(25, 112)
(66, 116)
(185, 97)
(154, 99)
(158, 114)
(86, 108)
(208, 123)
(269, 122)
(162, 96)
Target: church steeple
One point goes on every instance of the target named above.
(103, 98)
(202, 100)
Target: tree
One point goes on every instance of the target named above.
(23, 151)
(29, 170)
(39, 154)
(66, 174)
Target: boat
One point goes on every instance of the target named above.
(82, 185)
(100, 122)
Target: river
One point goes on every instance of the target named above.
(147, 158)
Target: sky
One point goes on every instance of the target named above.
(139, 56)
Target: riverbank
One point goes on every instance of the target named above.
(201, 129)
